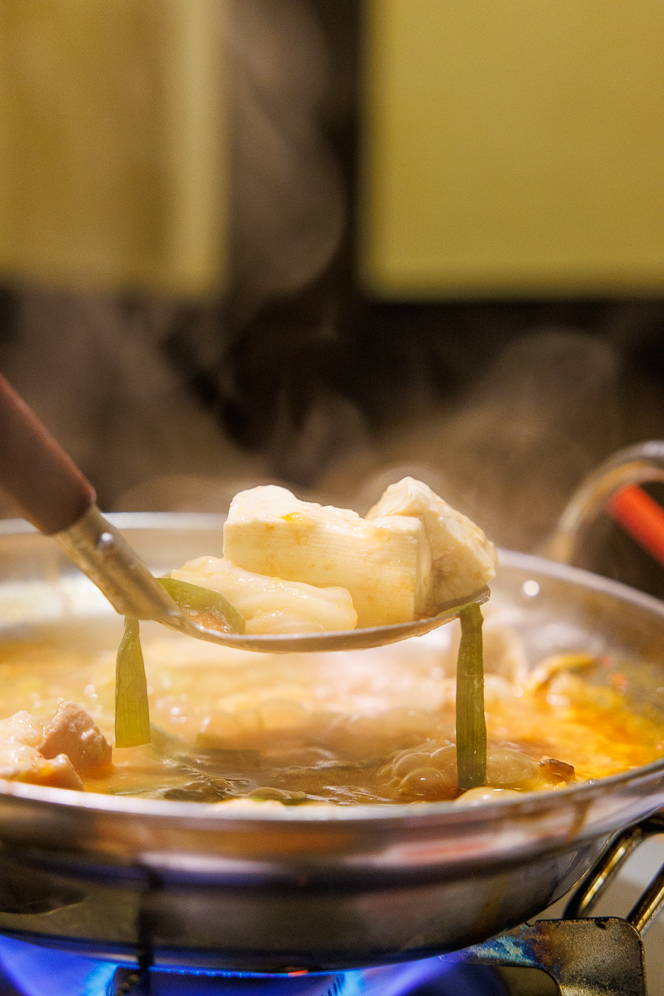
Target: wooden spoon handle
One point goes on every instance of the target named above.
(36, 471)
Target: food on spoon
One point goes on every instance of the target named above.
(268, 604)
(412, 554)
(205, 606)
(384, 565)
(71, 745)
(463, 560)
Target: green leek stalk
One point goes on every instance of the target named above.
(470, 722)
(132, 712)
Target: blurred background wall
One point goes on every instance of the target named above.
(327, 242)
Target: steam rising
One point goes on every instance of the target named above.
(544, 415)
(513, 448)
(287, 195)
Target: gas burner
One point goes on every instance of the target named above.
(35, 971)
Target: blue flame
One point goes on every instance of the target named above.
(436, 977)
(40, 971)
(37, 971)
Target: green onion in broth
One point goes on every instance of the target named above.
(470, 721)
(132, 709)
(132, 712)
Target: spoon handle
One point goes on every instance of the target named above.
(57, 499)
(36, 471)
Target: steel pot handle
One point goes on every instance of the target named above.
(630, 466)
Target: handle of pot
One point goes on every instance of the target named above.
(611, 488)
(36, 471)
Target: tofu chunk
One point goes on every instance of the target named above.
(22, 761)
(74, 733)
(385, 564)
(269, 604)
(463, 560)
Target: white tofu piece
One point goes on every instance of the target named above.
(384, 564)
(270, 605)
(463, 559)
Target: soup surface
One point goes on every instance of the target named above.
(374, 726)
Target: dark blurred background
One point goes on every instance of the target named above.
(211, 273)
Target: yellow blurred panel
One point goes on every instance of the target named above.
(513, 147)
(111, 144)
